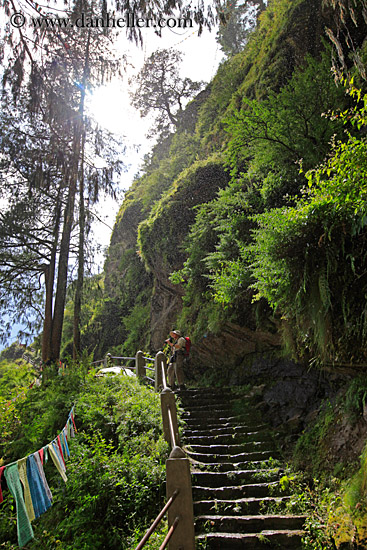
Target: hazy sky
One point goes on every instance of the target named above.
(110, 105)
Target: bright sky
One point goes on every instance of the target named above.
(111, 107)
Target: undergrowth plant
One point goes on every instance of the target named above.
(116, 470)
(336, 492)
(309, 261)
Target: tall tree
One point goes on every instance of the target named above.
(55, 65)
(237, 19)
(50, 79)
(159, 88)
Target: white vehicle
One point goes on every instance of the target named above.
(115, 370)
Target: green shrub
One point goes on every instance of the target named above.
(309, 260)
(116, 472)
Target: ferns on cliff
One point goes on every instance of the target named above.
(266, 140)
(315, 254)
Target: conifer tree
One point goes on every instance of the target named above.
(48, 70)
(159, 88)
(49, 75)
(237, 20)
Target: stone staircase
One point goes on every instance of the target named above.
(235, 475)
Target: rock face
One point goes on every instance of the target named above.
(347, 440)
(231, 346)
(162, 238)
(294, 391)
(123, 239)
(165, 306)
(288, 394)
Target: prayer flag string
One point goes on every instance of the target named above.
(27, 482)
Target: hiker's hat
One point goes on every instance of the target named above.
(177, 332)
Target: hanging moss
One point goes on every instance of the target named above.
(162, 234)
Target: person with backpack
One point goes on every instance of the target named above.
(180, 347)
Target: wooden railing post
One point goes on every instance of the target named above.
(140, 365)
(158, 379)
(179, 479)
(181, 533)
(107, 360)
(168, 405)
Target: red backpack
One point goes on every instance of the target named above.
(188, 346)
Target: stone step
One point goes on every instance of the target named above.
(229, 439)
(249, 524)
(200, 395)
(206, 458)
(211, 406)
(234, 477)
(229, 466)
(221, 424)
(267, 540)
(234, 480)
(216, 416)
(251, 446)
(209, 391)
(213, 411)
(190, 401)
(241, 506)
(220, 429)
(200, 422)
(257, 490)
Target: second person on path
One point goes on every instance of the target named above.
(175, 367)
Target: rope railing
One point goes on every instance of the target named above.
(100, 361)
(123, 358)
(170, 533)
(138, 369)
(171, 429)
(164, 381)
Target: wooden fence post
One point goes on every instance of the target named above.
(107, 360)
(168, 403)
(179, 478)
(158, 360)
(140, 365)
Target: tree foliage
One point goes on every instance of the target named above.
(237, 21)
(268, 139)
(49, 154)
(160, 89)
(309, 260)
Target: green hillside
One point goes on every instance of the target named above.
(208, 233)
(246, 229)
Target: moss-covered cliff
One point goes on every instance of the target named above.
(180, 248)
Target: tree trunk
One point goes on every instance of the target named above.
(49, 285)
(80, 279)
(62, 276)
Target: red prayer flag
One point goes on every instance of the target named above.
(59, 445)
(72, 418)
